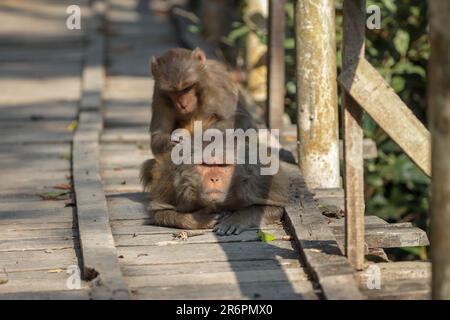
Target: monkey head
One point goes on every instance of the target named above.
(177, 74)
(210, 185)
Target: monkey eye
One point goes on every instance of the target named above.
(189, 88)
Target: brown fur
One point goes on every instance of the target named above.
(188, 86)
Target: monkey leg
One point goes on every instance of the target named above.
(251, 217)
(196, 220)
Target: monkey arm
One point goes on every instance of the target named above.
(161, 126)
(172, 218)
(250, 217)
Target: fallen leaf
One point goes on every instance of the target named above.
(63, 186)
(265, 237)
(65, 156)
(55, 270)
(72, 126)
(55, 196)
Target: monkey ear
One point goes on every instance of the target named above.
(199, 55)
(154, 65)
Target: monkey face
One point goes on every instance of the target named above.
(177, 74)
(185, 100)
(215, 181)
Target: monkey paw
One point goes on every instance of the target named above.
(228, 225)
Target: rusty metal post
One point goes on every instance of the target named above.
(317, 93)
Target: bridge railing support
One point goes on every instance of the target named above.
(317, 120)
(439, 123)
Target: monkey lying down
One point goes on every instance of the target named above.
(227, 198)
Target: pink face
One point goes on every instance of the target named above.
(185, 101)
(216, 181)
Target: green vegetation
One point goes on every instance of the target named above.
(396, 190)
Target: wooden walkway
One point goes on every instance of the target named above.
(70, 196)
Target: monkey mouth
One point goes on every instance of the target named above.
(215, 195)
(214, 191)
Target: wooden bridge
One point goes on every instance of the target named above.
(74, 114)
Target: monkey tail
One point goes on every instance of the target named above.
(146, 176)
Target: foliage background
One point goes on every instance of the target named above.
(396, 190)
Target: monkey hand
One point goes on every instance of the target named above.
(232, 223)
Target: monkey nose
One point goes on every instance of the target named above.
(214, 180)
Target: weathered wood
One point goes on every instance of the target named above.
(35, 281)
(49, 295)
(389, 236)
(93, 70)
(439, 122)
(298, 290)
(317, 93)
(363, 82)
(167, 239)
(353, 50)
(405, 289)
(206, 267)
(318, 244)
(256, 83)
(100, 262)
(37, 260)
(97, 243)
(227, 278)
(275, 72)
(207, 252)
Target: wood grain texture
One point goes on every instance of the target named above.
(439, 123)
(372, 93)
(353, 50)
(317, 243)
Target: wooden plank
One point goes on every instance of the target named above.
(378, 99)
(396, 271)
(35, 281)
(211, 266)
(167, 239)
(38, 233)
(353, 50)
(406, 289)
(218, 277)
(126, 135)
(100, 262)
(389, 236)
(275, 72)
(97, 243)
(298, 290)
(37, 260)
(317, 242)
(24, 217)
(50, 295)
(439, 120)
(38, 244)
(206, 252)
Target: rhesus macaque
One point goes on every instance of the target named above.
(188, 86)
(229, 198)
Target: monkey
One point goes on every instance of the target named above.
(227, 198)
(190, 86)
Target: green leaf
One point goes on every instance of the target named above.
(193, 28)
(398, 83)
(238, 33)
(265, 237)
(401, 42)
